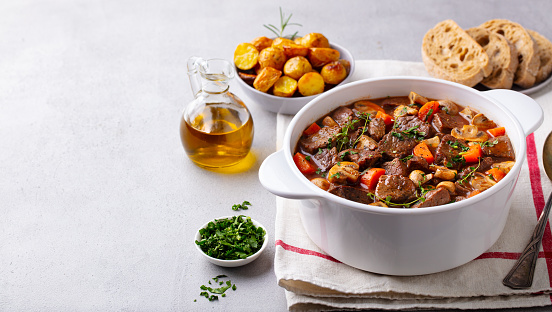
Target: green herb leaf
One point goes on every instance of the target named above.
(284, 22)
(243, 206)
(231, 239)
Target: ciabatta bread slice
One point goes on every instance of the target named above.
(450, 53)
(528, 67)
(545, 55)
(502, 56)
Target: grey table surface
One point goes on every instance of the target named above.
(98, 201)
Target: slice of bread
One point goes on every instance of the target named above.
(528, 67)
(450, 53)
(545, 55)
(502, 56)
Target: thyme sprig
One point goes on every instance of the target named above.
(284, 22)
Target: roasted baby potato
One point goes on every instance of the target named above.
(346, 64)
(247, 78)
(310, 84)
(266, 79)
(285, 86)
(296, 67)
(272, 57)
(319, 57)
(292, 50)
(246, 56)
(333, 73)
(261, 43)
(315, 40)
(279, 42)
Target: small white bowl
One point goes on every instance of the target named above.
(291, 105)
(232, 263)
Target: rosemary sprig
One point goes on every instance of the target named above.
(284, 22)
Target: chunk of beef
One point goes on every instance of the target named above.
(313, 142)
(395, 167)
(376, 129)
(499, 147)
(484, 165)
(413, 125)
(364, 158)
(448, 152)
(395, 101)
(351, 193)
(396, 188)
(444, 122)
(326, 158)
(342, 115)
(368, 159)
(439, 196)
(395, 145)
(417, 163)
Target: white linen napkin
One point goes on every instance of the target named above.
(314, 281)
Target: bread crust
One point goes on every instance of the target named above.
(502, 56)
(528, 67)
(545, 55)
(448, 52)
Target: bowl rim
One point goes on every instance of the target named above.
(318, 193)
(197, 237)
(302, 98)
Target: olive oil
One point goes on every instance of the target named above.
(217, 134)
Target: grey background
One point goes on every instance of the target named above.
(98, 202)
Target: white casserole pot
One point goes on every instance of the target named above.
(399, 241)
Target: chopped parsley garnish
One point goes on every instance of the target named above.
(211, 293)
(488, 143)
(242, 206)
(231, 239)
(405, 159)
(308, 158)
(335, 175)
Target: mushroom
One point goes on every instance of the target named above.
(470, 133)
(419, 177)
(505, 166)
(467, 113)
(344, 171)
(366, 143)
(379, 204)
(329, 122)
(481, 182)
(448, 185)
(444, 173)
(448, 106)
(415, 98)
(321, 183)
(482, 122)
(404, 110)
(432, 142)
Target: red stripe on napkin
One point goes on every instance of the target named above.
(305, 251)
(538, 198)
(510, 255)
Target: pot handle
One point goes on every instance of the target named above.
(276, 176)
(527, 111)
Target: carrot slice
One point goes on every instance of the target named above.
(304, 165)
(474, 192)
(387, 119)
(422, 150)
(368, 107)
(496, 173)
(428, 110)
(371, 177)
(312, 129)
(497, 131)
(473, 154)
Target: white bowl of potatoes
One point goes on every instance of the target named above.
(282, 75)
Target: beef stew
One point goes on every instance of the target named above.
(404, 152)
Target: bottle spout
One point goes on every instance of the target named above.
(194, 64)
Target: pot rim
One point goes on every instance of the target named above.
(318, 193)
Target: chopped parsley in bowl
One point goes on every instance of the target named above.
(231, 241)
